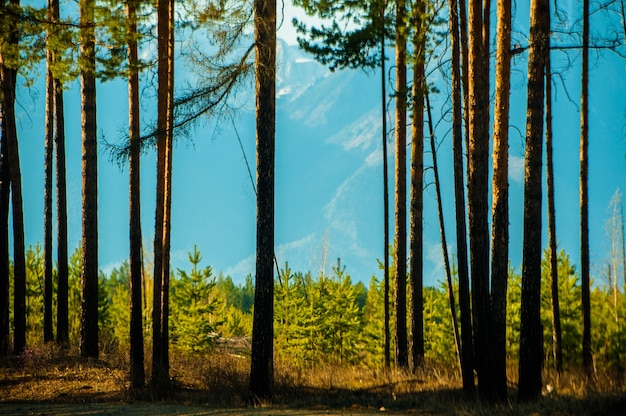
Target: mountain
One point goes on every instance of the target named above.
(329, 175)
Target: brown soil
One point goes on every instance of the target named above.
(73, 385)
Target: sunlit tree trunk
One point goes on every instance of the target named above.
(89, 317)
(167, 209)
(531, 333)
(262, 360)
(402, 356)
(584, 196)
(416, 306)
(467, 348)
(500, 200)
(557, 349)
(10, 135)
(137, 372)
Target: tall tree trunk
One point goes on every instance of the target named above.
(584, 196)
(10, 135)
(63, 332)
(262, 360)
(478, 170)
(387, 337)
(160, 370)
(63, 337)
(462, 9)
(416, 277)
(89, 318)
(557, 348)
(5, 187)
(47, 212)
(137, 372)
(467, 346)
(531, 333)
(167, 209)
(500, 200)
(402, 356)
(442, 231)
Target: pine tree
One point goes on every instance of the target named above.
(194, 316)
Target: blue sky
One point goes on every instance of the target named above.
(332, 208)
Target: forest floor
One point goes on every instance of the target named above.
(39, 383)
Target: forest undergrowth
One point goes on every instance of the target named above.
(49, 374)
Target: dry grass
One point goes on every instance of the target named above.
(51, 375)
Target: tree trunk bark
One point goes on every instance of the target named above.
(584, 196)
(500, 201)
(387, 336)
(10, 134)
(5, 187)
(89, 318)
(416, 277)
(262, 360)
(531, 333)
(137, 372)
(467, 345)
(47, 213)
(478, 175)
(557, 348)
(402, 356)
(442, 231)
(63, 337)
(160, 361)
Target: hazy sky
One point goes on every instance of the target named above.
(214, 200)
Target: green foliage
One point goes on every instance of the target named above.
(195, 309)
(352, 38)
(318, 320)
(327, 318)
(570, 309)
(438, 332)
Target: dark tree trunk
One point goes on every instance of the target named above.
(262, 360)
(387, 336)
(465, 69)
(47, 212)
(500, 201)
(442, 231)
(61, 193)
(402, 356)
(89, 318)
(478, 175)
(63, 337)
(584, 196)
(5, 187)
(557, 348)
(416, 239)
(160, 338)
(137, 372)
(531, 333)
(467, 345)
(10, 135)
